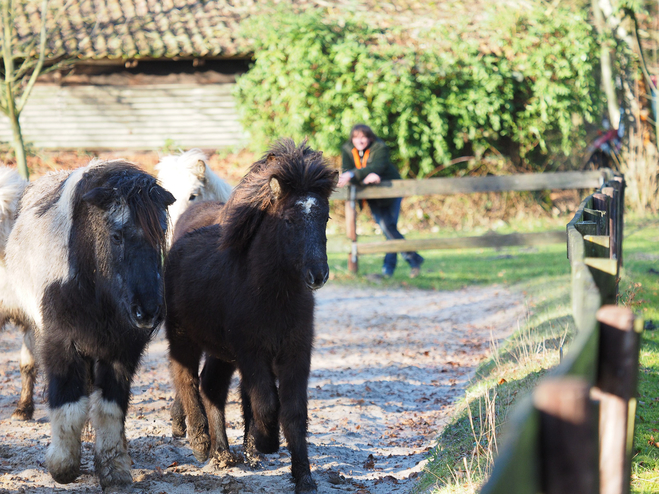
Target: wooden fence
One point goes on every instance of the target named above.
(467, 185)
(574, 433)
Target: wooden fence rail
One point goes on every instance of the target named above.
(574, 434)
(465, 185)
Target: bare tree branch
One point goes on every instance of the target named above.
(42, 55)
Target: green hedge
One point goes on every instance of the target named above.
(524, 82)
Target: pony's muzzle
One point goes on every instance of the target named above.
(317, 276)
(145, 319)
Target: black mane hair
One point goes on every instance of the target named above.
(299, 170)
(123, 180)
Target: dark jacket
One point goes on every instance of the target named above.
(378, 162)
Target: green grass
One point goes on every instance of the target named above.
(454, 269)
(462, 457)
(639, 287)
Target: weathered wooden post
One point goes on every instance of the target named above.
(616, 380)
(568, 436)
(351, 228)
(618, 183)
(613, 195)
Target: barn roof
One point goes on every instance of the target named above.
(127, 29)
(155, 29)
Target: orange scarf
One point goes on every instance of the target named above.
(360, 163)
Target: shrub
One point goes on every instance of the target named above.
(522, 82)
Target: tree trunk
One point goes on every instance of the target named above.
(19, 149)
(606, 70)
(19, 145)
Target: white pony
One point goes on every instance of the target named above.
(12, 186)
(189, 178)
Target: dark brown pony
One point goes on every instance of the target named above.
(240, 290)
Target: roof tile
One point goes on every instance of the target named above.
(123, 29)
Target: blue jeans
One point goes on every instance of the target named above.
(387, 217)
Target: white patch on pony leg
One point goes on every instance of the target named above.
(63, 456)
(111, 459)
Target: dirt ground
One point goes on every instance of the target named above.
(388, 367)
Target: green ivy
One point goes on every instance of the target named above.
(433, 95)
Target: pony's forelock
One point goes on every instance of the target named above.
(299, 170)
(133, 187)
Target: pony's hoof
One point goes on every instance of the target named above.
(266, 443)
(63, 467)
(306, 485)
(66, 475)
(178, 428)
(113, 472)
(225, 459)
(201, 446)
(178, 419)
(23, 413)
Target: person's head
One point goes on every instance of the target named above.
(362, 136)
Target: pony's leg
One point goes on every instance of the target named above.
(262, 415)
(178, 417)
(25, 407)
(68, 406)
(251, 454)
(184, 359)
(293, 379)
(109, 403)
(215, 382)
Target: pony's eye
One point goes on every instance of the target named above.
(117, 237)
(193, 197)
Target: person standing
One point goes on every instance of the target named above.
(365, 161)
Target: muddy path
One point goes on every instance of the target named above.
(387, 368)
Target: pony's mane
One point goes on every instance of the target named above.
(299, 170)
(134, 186)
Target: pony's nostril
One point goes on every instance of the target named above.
(311, 279)
(138, 313)
(316, 277)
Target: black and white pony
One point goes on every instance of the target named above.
(189, 178)
(240, 290)
(85, 260)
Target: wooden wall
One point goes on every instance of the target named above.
(129, 117)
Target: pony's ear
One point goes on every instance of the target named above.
(275, 188)
(99, 196)
(162, 195)
(199, 169)
(271, 159)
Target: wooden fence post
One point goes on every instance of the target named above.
(568, 436)
(616, 380)
(618, 184)
(351, 229)
(612, 193)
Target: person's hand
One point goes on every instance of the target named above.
(344, 179)
(371, 178)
